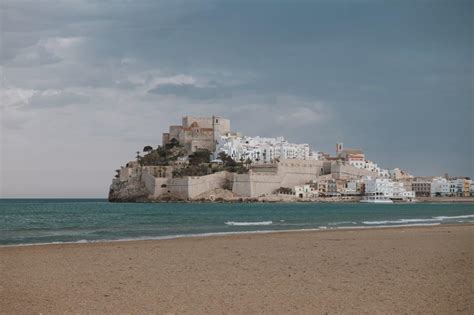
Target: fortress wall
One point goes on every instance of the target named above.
(153, 184)
(255, 184)
(241, 185)
(297, 172)
(202, 184)
(159, 170)
(178, 187)
(341, 171)
(159, 190)
(191, 187)
(265, 184)
(289, 173)
(327, 167)
(149, 181)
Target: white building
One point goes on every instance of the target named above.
(368, 165)
(305, 191)
(462, 186)
(262, 150)
(442, 187)
(378, 187)
(400, 193)
(387, 188)
(353, 187)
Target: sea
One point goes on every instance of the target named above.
(52, 221)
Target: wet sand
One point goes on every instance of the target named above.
(372, 271)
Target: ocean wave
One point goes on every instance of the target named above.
(400, 221)
(419, 220)
(342, 223)
(248, 223)
(213, 234)
(454, 217)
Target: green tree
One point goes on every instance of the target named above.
(223, 156)
(199, 157)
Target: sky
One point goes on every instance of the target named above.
(85, 83)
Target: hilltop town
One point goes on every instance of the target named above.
(203, 160)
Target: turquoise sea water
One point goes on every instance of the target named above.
(39, 221)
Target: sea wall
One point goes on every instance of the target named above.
(256, 184)
(288, 173)
(297, 172)
(156, 186)
(202, 184)
(187, 187)
(261, 180)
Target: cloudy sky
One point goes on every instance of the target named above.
(86, 83)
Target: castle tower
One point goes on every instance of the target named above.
(220, 127)
(339, 148)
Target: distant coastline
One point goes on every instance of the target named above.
(432, 200)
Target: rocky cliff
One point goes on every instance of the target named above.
(132, 190)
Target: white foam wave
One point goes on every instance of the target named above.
(400, 221)
(342, 223)
(454, 217)
(248, 223)
(418, 220)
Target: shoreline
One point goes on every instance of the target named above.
(424, 269)
(271, 199)
(237, 233)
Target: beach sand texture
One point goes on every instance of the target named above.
(373, 271)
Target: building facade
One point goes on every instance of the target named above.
(421, 188)
(262, 150)
(378, 187)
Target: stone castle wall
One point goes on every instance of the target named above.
(186, 187)
(256, 184)
(344, 171)
(288, 174)
(202, 184)
(261, 180)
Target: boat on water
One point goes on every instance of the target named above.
(376, 199)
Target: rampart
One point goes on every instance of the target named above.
(261, 180)
(188, 187)
(344, 171)
(287, 173)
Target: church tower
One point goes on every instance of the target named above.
(339, 148)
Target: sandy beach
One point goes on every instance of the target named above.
(372, 271)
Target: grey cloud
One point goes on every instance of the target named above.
(58, 99)
(191, 91)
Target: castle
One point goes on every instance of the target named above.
(263, 178)
(198, 132)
